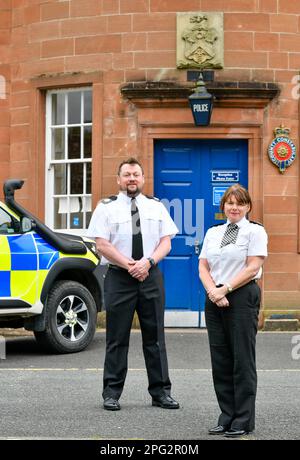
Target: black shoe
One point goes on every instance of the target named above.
(219, 429)
(166, 402)
(111, 404)
(232, 433)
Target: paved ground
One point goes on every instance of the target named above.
(58, 396)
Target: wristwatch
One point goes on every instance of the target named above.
(152, 262)
(229, 287)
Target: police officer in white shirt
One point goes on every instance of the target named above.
(230, 264)
(133, 233)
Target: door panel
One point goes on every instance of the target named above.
(18, 267)
(190, 177)
(175, 167)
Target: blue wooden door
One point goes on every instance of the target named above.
(190, 178)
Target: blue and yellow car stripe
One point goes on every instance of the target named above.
(5, 267)
(25, 261)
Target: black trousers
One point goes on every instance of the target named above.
(123, 296)
(232, 338)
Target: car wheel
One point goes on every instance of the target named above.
(71, 316)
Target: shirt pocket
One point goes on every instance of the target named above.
(121, 227)
(238, 251)
(242, 241)
(151, 224)
(213, 245)
(213, 251)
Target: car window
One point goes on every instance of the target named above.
(6, 223)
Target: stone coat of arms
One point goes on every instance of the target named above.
(200, 40)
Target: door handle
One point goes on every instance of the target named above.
(197, 247)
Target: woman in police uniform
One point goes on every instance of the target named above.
(230, 264)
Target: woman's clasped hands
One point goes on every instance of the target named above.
(217, 296)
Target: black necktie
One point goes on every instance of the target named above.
(137, 239)
(230, 235)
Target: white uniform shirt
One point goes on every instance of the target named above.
(226, 262)
(111, 220)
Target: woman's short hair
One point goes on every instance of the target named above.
(240, 193)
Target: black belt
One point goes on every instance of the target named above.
(116, 267)
(250, 282)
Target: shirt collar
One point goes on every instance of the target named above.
(241, 223)
(127, 199)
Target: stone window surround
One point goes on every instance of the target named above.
(39, 88)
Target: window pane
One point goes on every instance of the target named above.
(69, 153)
(87, 207)
(87, 204)
(87, 107)
(60, 213)
(58, 144)
(76, 178)
(60, 179)
(87, 146)
(88, 178)
(74, 143)
(74, 107)
(58, 109)
(88, 218)
(76, 220)
(6, 223)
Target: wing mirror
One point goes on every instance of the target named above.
(26, 224)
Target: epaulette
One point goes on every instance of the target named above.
(257, 223)
(109, 199)
(216, 225)
(150, 197)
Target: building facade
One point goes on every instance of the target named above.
(87, 83)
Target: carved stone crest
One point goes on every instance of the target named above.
(200, 40)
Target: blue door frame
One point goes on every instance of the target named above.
(190, 177)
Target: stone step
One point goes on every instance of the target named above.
(281, 324)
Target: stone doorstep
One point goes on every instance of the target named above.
(266, 325)
(281, 324)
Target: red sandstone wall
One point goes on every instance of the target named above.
(5, 37)
(135, 40)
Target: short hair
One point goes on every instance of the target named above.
(240, 193)
(130, 161)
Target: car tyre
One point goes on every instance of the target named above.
(71, 316)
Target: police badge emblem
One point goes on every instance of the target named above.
(282, 151)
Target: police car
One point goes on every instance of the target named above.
(49, 282)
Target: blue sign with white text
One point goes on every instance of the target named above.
(218, 192)
(225, 176)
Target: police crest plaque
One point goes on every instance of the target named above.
(282, 151)
(200, 41)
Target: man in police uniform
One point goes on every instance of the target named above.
(133, 233)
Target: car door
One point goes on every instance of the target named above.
(18, 264)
